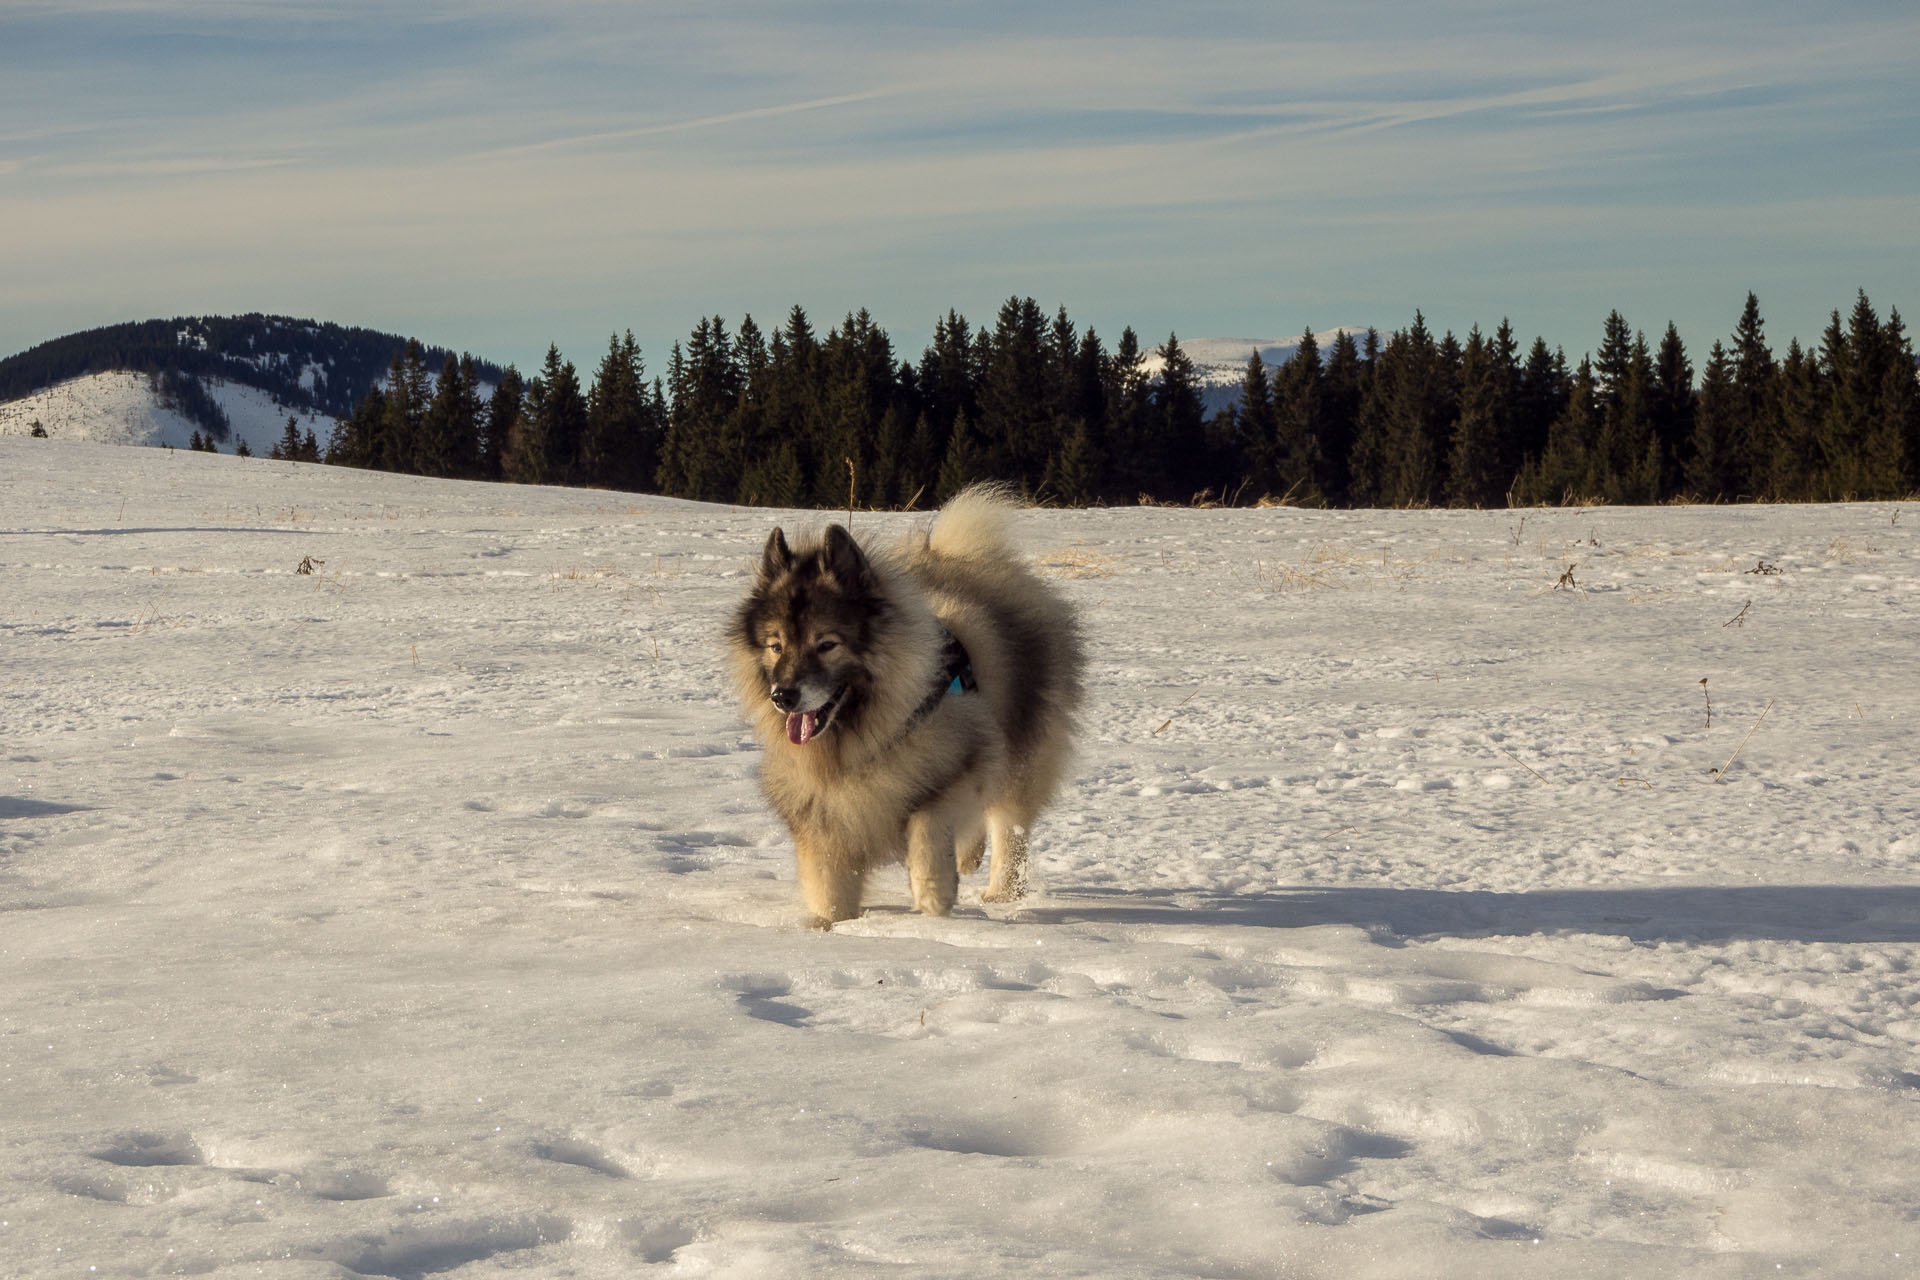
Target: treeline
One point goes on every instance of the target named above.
(188, 397)
(795, 418)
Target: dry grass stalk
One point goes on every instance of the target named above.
(1720, 774)
(1077, 562)
(1522, 763)
(1176, 706)
(1568, 581)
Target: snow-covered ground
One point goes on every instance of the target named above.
(417, 916)
(123, 408)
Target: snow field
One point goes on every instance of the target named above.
(416, 915)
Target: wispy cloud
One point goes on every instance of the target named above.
(606, 136)
(636, 165)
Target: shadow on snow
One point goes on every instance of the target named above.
(1689, 913)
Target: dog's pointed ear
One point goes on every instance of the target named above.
(843, 557)
(777, 558)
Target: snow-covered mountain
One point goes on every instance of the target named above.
(130, 408)
(231, 377)
(1219, 364)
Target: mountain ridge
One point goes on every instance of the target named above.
(228, 378)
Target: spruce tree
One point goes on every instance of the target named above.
(1713, 465)
(1297, 462)
(1136, 465)
(1179, 424)
(1894, 440)
(774, 481)
(946, 375)
(1342, 383)
(744, 435)
(1624, 463)
(287, 448)
(855, 390)
(1475, 477)
(697, 459)
(408, 395)
(962, 465)
(1395, 458)
(1014, 422)
(1853, 361)
(448, 443)
(1543, 390)
(1619, 466)
(1503, 405)
(1074, 476)
(792, 396)
(357, 441)
(1563, 472)
(1672, 408)
(618, 446)
(562, 411)
(525, 457)
(502, 423)
(1754, 400)
(1794, 465)
(920, 472)
(1259, 427)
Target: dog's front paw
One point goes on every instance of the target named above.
(933, 904)
(1011, 894)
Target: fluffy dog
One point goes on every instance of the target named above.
(914, 703)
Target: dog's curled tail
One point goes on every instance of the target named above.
(974, 523)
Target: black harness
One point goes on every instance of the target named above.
(954, 675)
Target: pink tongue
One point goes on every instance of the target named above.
(800, 728)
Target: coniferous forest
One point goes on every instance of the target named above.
(797, 418)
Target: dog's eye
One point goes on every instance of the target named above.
(826, 646)
(774, 646)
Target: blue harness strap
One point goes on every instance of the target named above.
(957, 667)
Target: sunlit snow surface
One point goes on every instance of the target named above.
(417, 916)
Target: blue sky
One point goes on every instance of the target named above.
(495, 177)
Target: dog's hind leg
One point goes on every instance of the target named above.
(932, 873)
(1008, 879)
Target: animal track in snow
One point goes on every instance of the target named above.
(150, 1150)
(415, 1253)
(657, 1242)
(581, 1155)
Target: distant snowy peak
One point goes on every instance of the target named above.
(1220, 364)
(1218, 355)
